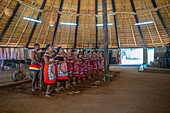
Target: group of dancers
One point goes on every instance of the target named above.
(66, 69)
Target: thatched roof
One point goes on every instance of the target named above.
(18, 32)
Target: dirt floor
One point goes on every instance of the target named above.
(130, 92)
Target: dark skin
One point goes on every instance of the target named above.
(35, 75)
(50, 50)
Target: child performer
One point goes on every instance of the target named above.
(90, 63)
(81, 69)
(101, 61)
(49, 69)
(94, 59)
(85, 62)
(69, 67)
(61, 70)
(75, 67)
(35, 67)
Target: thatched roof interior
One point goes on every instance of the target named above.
(19, 30)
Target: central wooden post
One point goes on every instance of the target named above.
(105, 41)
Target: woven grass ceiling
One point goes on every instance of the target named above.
(17, 32)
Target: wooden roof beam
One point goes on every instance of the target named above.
(58, 19)
(160, 17)
(44, 22)
(116, 26)
(35, 24)
(96, 12)
(136, 18)
(9, 21)
(77, 22)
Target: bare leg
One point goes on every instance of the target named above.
(33, 81)
(48, 91)
(36, 81)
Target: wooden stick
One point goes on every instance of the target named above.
(16, 26)
(147, 25)
(110, 32)
(25, 27)
(68, 37)
(89, 29)
(44, 22)
(47, 31)
(156, 28)
(62, 30)
(5, 8)
(123, 23)
(64, 21)
(132, 30)
(83, 31)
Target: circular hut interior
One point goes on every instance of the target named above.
(133, 69)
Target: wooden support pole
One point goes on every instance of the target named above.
(44, 22)
(9, 21)
(133, 34)
(5, 8)
(105, 41)
(156, 28)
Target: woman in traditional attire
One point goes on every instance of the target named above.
(85, 62)
(101, 61)
(49, 69)
(75, 67)
(69, 67)
(81, 69)
(61, 70)
(98, 60)
(90, 63)
(94, 59)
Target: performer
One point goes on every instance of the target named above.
(49, 69)
(85, 62)
(35, 67)
(101, 61)
(75, 67)
(90, 63)
(98, 61)
(94, 59)
(81, 69)
(61, 70)
(69, 67)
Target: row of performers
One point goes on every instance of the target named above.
(65, 69)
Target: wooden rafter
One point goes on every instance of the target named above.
(65, 20)
(156, 28)
(44, 22)
(69, 30)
